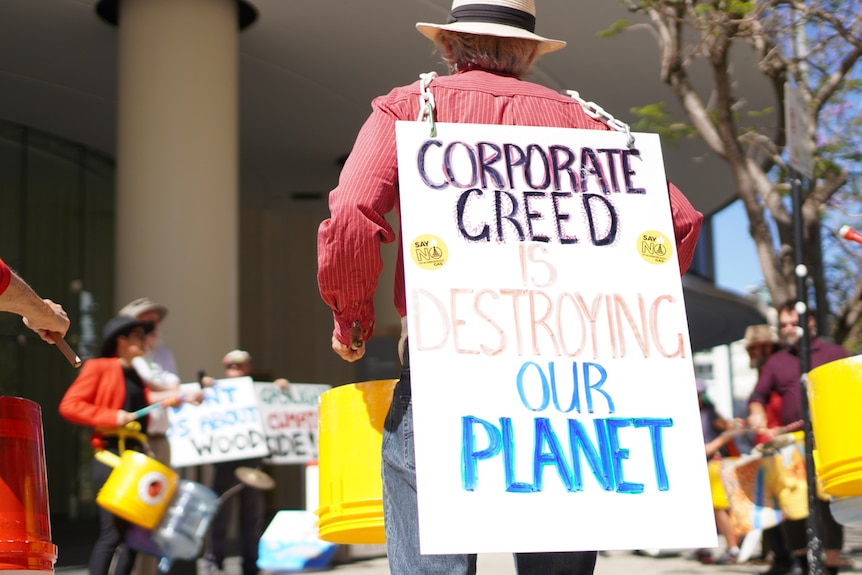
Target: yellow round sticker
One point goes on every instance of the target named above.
(429, 252)
(654, 247)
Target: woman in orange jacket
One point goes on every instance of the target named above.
(105, 396)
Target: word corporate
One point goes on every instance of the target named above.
(550, 179)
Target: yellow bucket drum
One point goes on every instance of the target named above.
(835, 398)
(139, 489)
(351, 421)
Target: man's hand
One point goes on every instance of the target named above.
(124, 417)
(195, 396)
(347, 353)
(51, 318)
(757, 417)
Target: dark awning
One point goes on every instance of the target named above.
(715, 316)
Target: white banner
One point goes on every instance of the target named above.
(226, 426)
(290, 420)
(554, 398)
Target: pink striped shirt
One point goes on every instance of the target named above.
(348, 256)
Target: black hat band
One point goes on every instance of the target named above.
(493, 15)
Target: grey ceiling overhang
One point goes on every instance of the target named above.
(715, 316)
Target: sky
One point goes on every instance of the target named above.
(736, 265)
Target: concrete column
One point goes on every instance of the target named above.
(177, 172)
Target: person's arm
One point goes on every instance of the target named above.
(154, 376)
(41, 315)
(686, 226)
(348, 257)
(723, 439)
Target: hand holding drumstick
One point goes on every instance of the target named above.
(355, 350)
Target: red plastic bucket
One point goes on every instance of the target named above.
(25, 523)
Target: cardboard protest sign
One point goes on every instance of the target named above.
(290, 420)
(226, 426)
(554, 397)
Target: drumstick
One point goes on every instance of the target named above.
(65, 349)
(169, 402)
(356, 336)
(795, 426)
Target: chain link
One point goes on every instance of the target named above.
(426, 102)
(595, 111)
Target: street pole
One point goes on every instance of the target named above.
(815, 545)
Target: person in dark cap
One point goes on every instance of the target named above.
(488, 46)
(105, 396)
(145, 309)
(158, 370)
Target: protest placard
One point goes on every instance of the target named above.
(290, 420)
(554, 397)
(226, 426)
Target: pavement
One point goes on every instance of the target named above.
(609, 563)
(77, 540)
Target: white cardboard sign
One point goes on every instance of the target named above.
(290, 420)
(554, 399)
(226, 426)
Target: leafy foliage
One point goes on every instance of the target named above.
(814, 46)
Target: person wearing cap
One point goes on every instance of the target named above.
(488, 45)
(105, 396)
(41, 315)
(760, 342)
(145, 309)
(158, 371)
(251, 502)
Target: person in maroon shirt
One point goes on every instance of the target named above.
(781, 374)
(41, 315)
(488, 46)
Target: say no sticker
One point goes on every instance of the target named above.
(654, 247)
(429, 252)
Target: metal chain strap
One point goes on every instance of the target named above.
(427, 107)
(595, 111)
(426, 102)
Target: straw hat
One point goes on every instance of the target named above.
(504, 18)
(236, 356)
(760, 333)
(143, 305)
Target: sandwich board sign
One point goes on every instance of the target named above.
(554, 400)
(226, 426)
(290, 420)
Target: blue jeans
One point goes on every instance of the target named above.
(401, 515)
